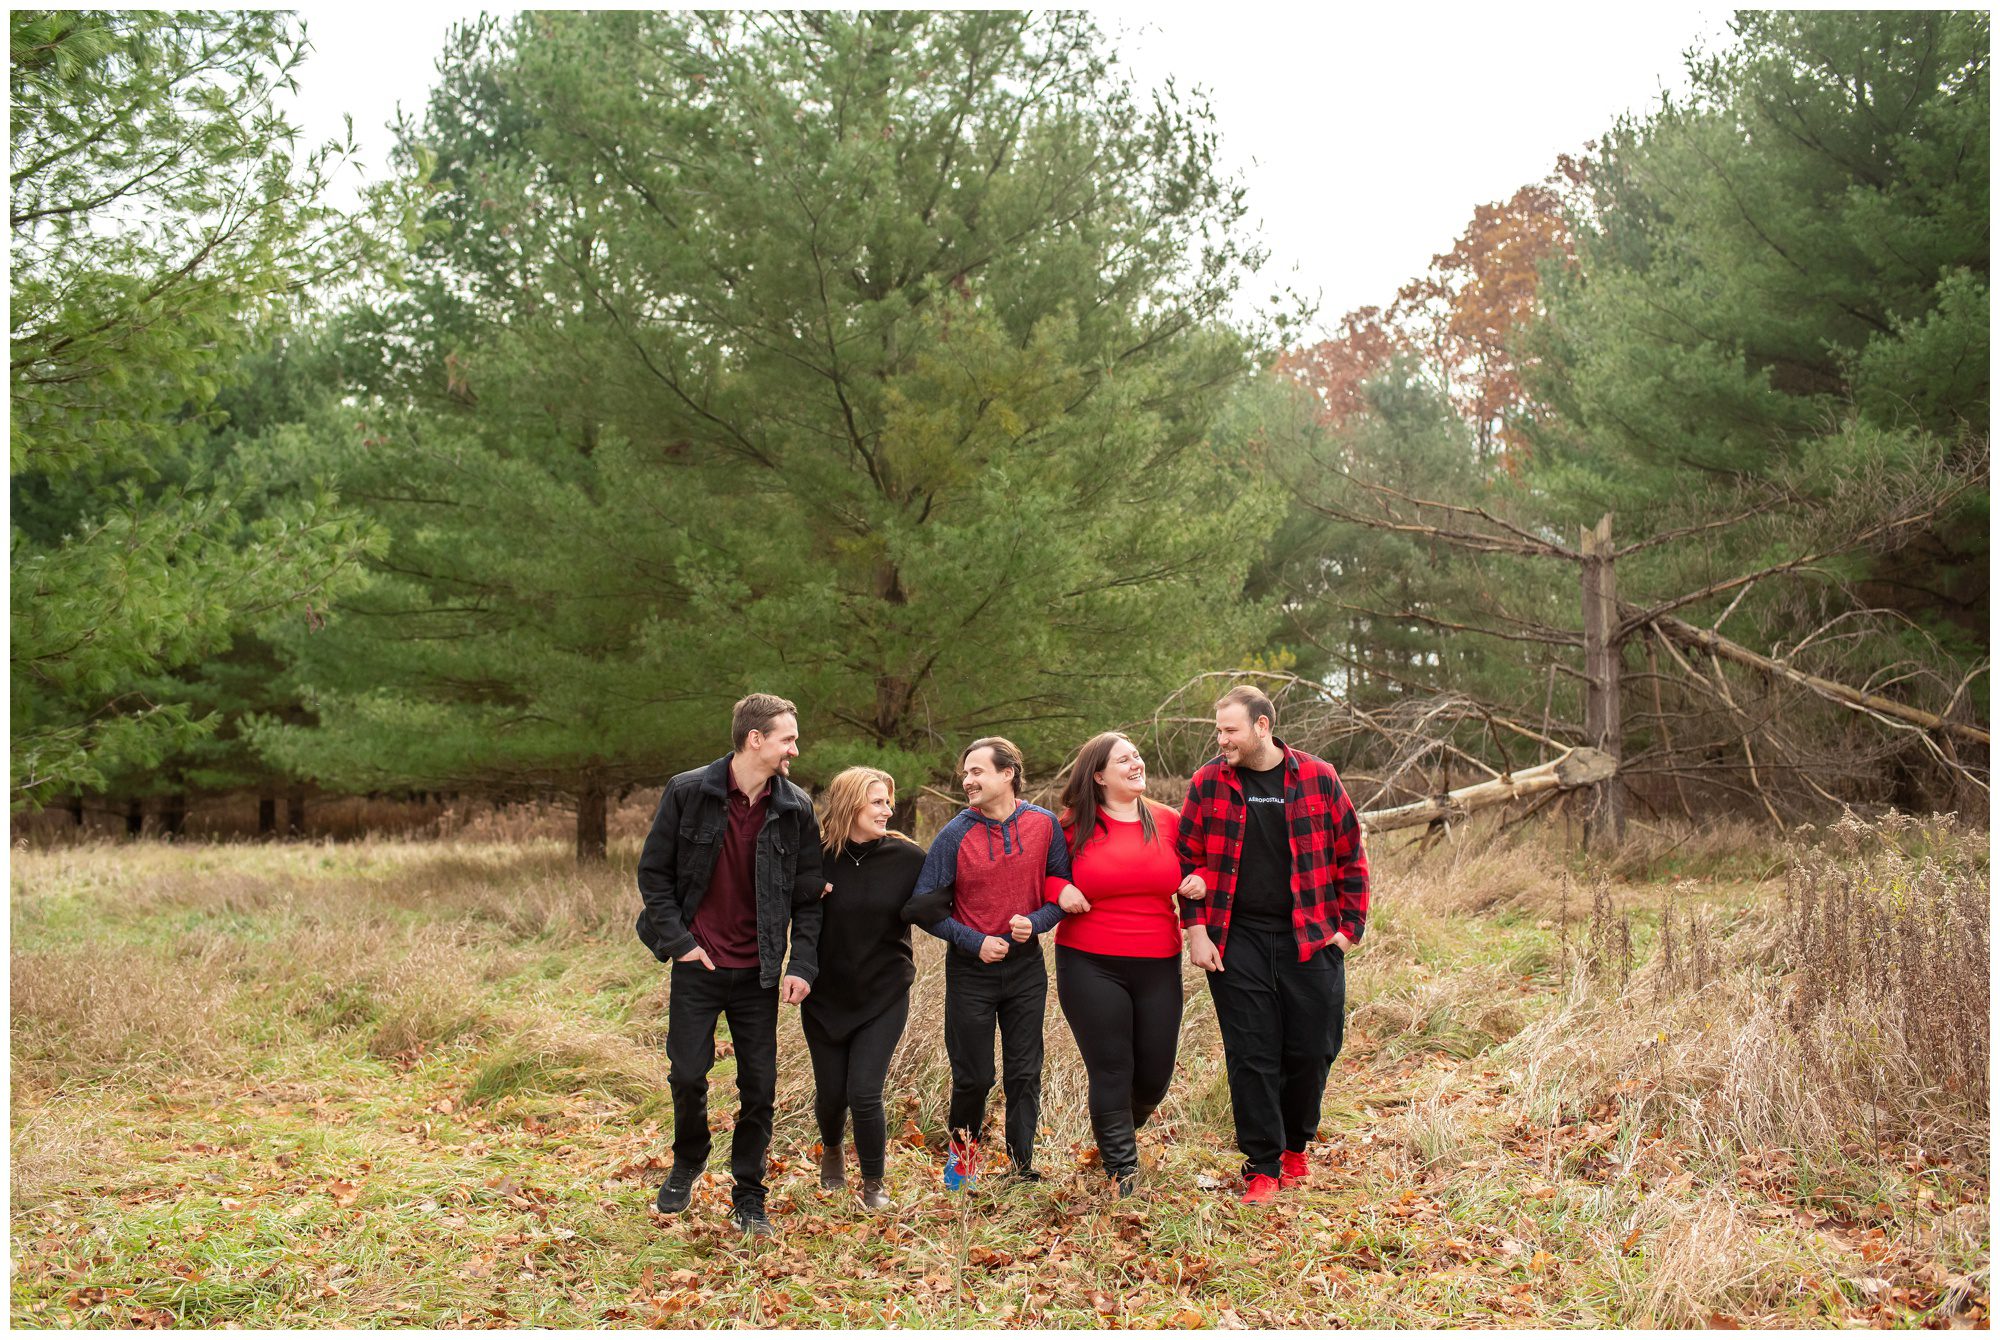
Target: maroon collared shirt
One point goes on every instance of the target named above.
(725, 922)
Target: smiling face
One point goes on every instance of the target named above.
(1243, 742)
(773, 750)
(987, 786)
(1123, 776)
(873, 820)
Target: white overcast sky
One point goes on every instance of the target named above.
(1366, 134)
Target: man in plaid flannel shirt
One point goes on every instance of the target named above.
(1278, 894)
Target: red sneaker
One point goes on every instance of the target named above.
(1293, 1168)
(1260, 1190)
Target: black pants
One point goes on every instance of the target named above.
(848, 1075)
(1125, 1014)
(1281, 1029)
(1013, 992)
(695, 1000)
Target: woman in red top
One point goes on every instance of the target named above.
(1118, 952)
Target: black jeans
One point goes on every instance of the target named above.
(1281, 1030)
(1015, 993)
(694, 1001)
(1125, 1014)
(848, 1075)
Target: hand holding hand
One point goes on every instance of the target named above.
(794, 989)
(1072, 901)
(1193, 888)
(1020, 928)
(992, 949)
(699, 955)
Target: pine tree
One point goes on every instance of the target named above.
(871, 359)
(161, 217)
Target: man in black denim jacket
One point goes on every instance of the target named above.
(730, 871)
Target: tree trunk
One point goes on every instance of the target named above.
(173, 814)
(1602, 728)
(135, 817)
(267, 811)
(592, 831)
(295, 811)
(1577, 768)
(76, 809)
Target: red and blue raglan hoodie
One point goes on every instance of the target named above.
(980, 873)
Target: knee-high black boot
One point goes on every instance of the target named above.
(1118, 1147)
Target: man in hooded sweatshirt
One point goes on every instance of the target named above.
(988, 889)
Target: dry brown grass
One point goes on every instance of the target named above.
(1711, 1258)
(1888, 950)
(1460, 1013)
(353, 988)
(52, 1148)
(550, 1054)
(1476, 874)
(528, 822)
(1856, 1013)
(532, 894)
(428, 995)
(115, 1005)
(1713, 848)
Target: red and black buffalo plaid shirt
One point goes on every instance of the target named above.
(1329, 868)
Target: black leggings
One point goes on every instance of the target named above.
(849, 1074)
(1125, 1014)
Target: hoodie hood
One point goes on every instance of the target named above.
(1007, 831)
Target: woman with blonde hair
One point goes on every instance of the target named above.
(1118, 952)
(861, 1000)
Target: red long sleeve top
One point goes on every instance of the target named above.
(1130, 884)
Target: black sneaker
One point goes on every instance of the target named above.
(676, 1191)
(751, 1220)
(1025, 1175)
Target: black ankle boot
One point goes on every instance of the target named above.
(832, 1172)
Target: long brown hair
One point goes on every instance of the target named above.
(1082, 797)
(843, 799)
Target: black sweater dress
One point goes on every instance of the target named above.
(865, 962)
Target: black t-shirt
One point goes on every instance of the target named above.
(1264, 879)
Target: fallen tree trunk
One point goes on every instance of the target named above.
(1717, 645)
(1579, 767)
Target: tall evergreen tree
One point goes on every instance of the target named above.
(161, 215)
(1781, 300)
(872, 359)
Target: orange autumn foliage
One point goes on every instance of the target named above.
(1459, 318)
